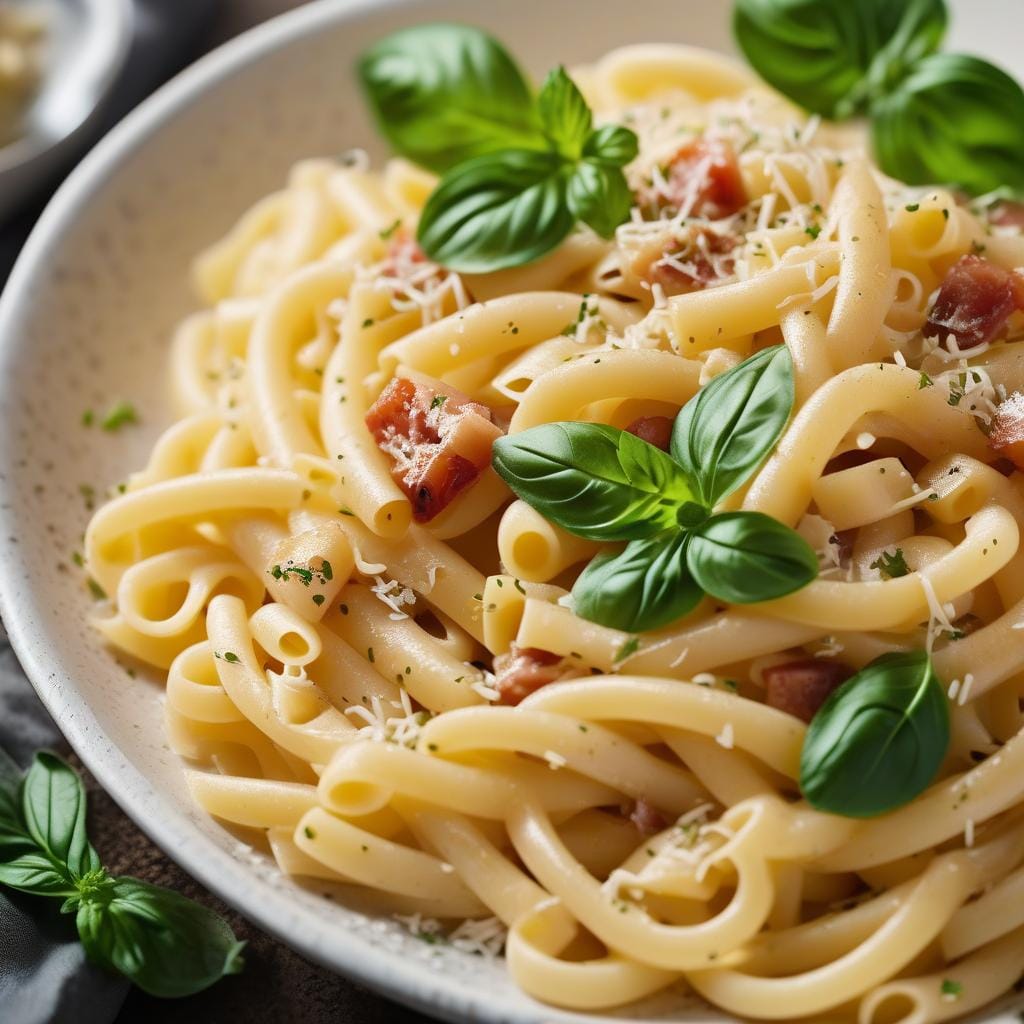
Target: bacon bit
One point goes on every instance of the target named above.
(975, 300)
(681, 260)
(1006, 436)
(647, 818)
(1007, 214)
(800, 687)
(702, 178)
(403, 249)
(439, 440)
(524, 670)
(656, 430)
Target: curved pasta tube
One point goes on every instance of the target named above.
(149, 597)
(180, 499)
(561, 393)
(246, 684)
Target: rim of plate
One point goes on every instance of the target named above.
(331, 945)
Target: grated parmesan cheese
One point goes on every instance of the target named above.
(725, 737)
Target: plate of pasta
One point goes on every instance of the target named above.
(543, 537)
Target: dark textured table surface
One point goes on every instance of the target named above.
(277, 986)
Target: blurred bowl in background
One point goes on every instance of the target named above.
(85, 45)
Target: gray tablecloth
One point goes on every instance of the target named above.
(43, 974)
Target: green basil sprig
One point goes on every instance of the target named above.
(879, 740)
(519, 171)
(166, 944)
(444, 93)
(935, 117)
(605, 484)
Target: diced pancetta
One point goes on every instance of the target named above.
(647, 818)
(800, 687)
(1007, 214)
(524, 670)
(1006, 436)
(680, 259)
(656, 430)
(701, 179)
(439, 440)
(975, 300)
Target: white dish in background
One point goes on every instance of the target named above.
(86, 319)
(85, 46)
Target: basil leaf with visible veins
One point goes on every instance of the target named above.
(725, 431)
(645, 586)
(879, 740)
(593, 480)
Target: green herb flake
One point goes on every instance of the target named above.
(924, 382)
(308, 832)
(231, 658)
(891, 566)
(97, 592)
(951, 990)
(318, 599)
(438, 401)
(88, 418)
(387, 232)
(813, 230)
(119, 415)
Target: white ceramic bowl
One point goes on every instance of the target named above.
(86, 318)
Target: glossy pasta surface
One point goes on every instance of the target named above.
(342, 671)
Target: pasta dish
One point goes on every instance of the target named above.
(21, 40)
(647, 608)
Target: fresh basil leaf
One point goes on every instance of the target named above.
(830, 56)
(594, 480)
(53, 804)
(444, 93)
(745, 557)
(725, 431)
(166, 944)
(643, 587)
(879, 740)
(32, 871)
(599, 196)
(564, 114)
(613, 145)
(954, 119)
(497, 211)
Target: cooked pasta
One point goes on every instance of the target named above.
(393, 684)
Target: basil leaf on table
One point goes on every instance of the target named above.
(497, 211)
(53, 803)
(746, 557)
(830, 56)
(879, 740)
(725, 431)
(564, 114)
(444, 93)
(599, 196)
(953, 119)
(645, 586)
(166, 944)
(593, 480)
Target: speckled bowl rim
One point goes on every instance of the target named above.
(413, 983)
